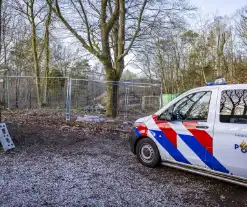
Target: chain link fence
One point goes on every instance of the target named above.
(81, 96)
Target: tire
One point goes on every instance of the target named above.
(148, 153)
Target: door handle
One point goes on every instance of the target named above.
(202, 127)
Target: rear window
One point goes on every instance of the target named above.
(233, 106)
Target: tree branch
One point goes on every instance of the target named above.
(136, 32)
(103, 12)
(41, 8)
(87, 24)
(94, 42)
(58, 13)
(113, 17)
(110, 7)
(93, 7)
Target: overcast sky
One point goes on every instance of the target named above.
(211, 8)
(219, 7)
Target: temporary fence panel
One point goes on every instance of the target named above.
(19, 92)
(81, 96)
(89, 97)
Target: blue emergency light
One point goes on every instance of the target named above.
(219, 81)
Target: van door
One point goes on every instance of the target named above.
(189, 136)
(230, 131)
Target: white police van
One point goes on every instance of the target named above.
(203, 131)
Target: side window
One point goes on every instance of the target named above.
(233, 106)
(193, 107)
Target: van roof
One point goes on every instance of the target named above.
(226, 86)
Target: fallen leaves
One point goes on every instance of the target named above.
(45, 121)
(99, 129)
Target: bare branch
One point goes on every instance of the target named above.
(93, 7)
(86, 22)
(136, 32)
(103, 12)
(58, 13)
(113, 17)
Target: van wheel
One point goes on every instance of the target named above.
(147, 152)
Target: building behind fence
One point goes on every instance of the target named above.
(81, 96)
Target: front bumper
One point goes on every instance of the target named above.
(133, 140)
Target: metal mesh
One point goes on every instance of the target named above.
(90, 97)
(82, 96)
(20, 92)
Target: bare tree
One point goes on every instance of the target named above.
(33, 10)
(242, 25)
(111, 24)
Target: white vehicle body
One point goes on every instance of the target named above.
(204, 131)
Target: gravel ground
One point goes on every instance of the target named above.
(78, 166)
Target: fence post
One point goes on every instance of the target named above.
(161, 95)
(68, 99)
(126, 102)
(7, 87)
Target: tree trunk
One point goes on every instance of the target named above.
(112, 99)
(38, 91)
(118, 36)
(112, 87)
(245, 110)
(47, 57)
(233, 110)
(113, 76)
(36, 63)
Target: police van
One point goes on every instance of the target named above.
(203, 131)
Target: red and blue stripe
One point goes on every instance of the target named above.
(200, 142)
